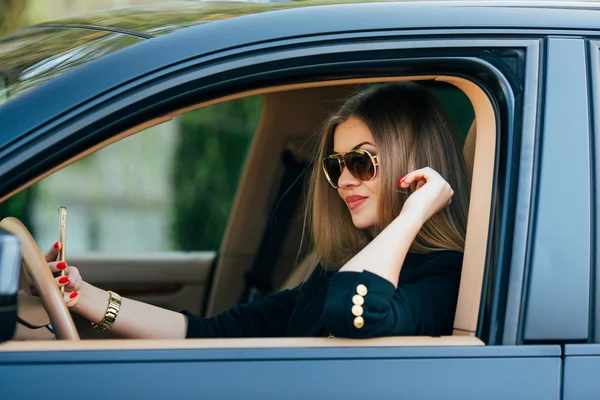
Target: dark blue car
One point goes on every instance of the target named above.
(521, 81)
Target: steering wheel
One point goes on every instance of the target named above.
(35, 265)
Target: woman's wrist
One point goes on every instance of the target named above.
(92, 302)
(412, 220)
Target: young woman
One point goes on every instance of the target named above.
(387, 226)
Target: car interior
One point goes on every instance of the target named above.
(208, 283)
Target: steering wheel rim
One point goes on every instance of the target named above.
(36, 267)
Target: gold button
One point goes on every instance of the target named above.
(357, 311)
(359, 322)
(361, 289)
(358, 300)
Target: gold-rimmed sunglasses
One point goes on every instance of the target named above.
(360, 163)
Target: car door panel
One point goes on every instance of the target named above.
(523, 372)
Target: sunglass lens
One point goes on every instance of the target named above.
(360, 165)
(333, 169)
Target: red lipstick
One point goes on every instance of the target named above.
(355, 201)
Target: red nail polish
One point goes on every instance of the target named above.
(401, 180)
(61, 265)
(64, 279)
(73, 295)
(56, 245)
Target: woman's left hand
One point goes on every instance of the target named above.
(433, 193)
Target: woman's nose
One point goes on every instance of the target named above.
(347, 180)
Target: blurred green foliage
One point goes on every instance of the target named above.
(457, 105)
(20, 206)
(208, 161)
(11, 15)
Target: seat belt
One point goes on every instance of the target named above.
(259, 278)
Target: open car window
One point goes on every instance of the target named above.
(146, 214)
(168, 188)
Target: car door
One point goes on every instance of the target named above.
(506, 66)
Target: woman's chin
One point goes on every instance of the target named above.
(363, 223)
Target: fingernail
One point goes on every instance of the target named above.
(61, 265)
(73, 295)
(401, 180)
(56, 245)
(64, 279)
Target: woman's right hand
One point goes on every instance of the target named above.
(72, 282)
(432, 194)
(134, 319)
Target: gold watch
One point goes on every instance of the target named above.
(114, 305)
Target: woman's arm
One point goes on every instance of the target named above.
(135, 319)
(384, 255)
(425, 307)
(268, 317)
(265, 318)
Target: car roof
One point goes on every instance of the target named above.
(146, 57)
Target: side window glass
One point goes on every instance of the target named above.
(167, 188)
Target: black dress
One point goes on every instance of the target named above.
(423, 304)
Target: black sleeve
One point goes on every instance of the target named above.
(264, 318)
(423, 307)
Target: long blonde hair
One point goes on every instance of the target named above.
(411, 131)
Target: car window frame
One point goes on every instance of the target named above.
(557, 307)
(593, 56)
(215, 69)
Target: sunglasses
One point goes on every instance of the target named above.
(360, 163)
